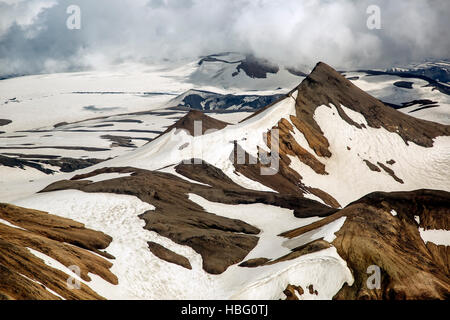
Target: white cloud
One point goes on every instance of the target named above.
(21, 12)
(285, 31)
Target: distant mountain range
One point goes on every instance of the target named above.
(324, 193)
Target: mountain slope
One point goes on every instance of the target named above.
(30, 240)
(386, 230)
(325, 86)
(254, 208)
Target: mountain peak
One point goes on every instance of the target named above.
(207, 123)
(326, 75)
(322, 67)
(326, 86)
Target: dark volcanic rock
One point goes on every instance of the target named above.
(4, 122)
(37, 161)
(390, 172)
(60, 124)
(308, 248)
(391, 162)
(404, 84)
(253, 263)
(372, 166)
(119, 141)
(168, 255)
(188, 121)
(206, 100)
(220, 241)
(27, 147)
(257, 68)
(20, 163)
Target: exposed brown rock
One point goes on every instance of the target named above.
(308, 248)
(221, 241)
(56, 228)
(234, 194)
(253, 263)
(168, 255)
(314, 136)
(288, 146)
(187, 123)
(286, 181)
(372, 166)
(372, 236)
(326, 86)
(390, 172)
(291, 292)
(311, 289)
(119, 141)
(441, 255)
(25, 276)
(4, 122)
(391, 162)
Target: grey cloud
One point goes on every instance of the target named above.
(289, 32)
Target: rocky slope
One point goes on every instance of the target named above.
(381, 229)
(296, 201)
(26, 235)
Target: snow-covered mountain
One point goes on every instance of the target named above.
(234, 70)
(295, 201)
(436, 70)
(207, 101)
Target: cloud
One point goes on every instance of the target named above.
(34, 37)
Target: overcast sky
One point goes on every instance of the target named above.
(34, 37)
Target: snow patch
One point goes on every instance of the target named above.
(326, 232)
(10, 224)
(270, 219)
(436, 236)
(349, 177)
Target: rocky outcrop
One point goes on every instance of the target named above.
(256, 67)
(168, 255)
(308, 248)
(220, 241)
(188, 123)
(23, 275)
(380, 230)
(293, 292)
(390, 172)
(39, 162)
(373, 236)
(326, 86)
(4, 122)
(286, 181)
